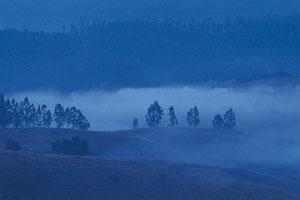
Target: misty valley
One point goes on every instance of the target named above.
(245, 151)
(149, 100)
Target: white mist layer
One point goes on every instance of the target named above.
(257, 108)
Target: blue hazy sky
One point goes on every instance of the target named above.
(52, 14)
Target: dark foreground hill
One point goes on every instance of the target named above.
(36, 176)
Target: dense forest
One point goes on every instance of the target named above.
(150, 53)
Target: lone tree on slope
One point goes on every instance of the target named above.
(193, 117)
(154, 115)
(173, 118)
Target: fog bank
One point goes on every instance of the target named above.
(257, 108)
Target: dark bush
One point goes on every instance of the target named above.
(12, 145)
(71, 147)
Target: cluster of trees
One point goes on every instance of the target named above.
(71, 147)
(70, 118)
(155, 114)
(227, 122)
(26, 115)
(12, 145)
(188, 52)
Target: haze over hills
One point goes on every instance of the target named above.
(149, 99)
(53, 14)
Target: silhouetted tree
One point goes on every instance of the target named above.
(4, 121)
(39, 117)
(218, 122)
(68, 119)
(59, 116)
(47, 116)
(193, 117)
(135, 123)
(16, 114)
(229, 120)
(27, 111)
(9, 112)
(32, 115)
(173, 118)
(154, 115)
(82, 122)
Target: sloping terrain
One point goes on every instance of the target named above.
(133, 143)
(128, 165)
(37, 176)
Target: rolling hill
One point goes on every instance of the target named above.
(159, 163)
(36, 176)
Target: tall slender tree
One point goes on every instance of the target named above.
(16, 114)
(172, 117)
(3, 112)
(39, 117)
(9, 112)
(26, 111)
(32, 115)
(59, 116)
(229, 120)
(46, 116)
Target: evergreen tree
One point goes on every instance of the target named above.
(154, 115)
(135, 123)
(39, 117)
(59, 116)
(46, 117)
(70, 116)
(229, 120)
(173, 118)
(32, 115)
(9, 112)
(3, 112)
(26, 111)
(218, 122)
(16, 114)
(67, 117)
(82, 122)
(193, 117)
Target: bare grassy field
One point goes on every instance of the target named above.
(37, 176)
(137, 164)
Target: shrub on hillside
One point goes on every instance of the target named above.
(71, 147)
(13, 145)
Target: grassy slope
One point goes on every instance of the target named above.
(38, 176)
(107, 143)
(44, 176)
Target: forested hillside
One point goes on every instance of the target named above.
(150, 53)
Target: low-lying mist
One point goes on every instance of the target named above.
(257, 108)
(267, 116)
